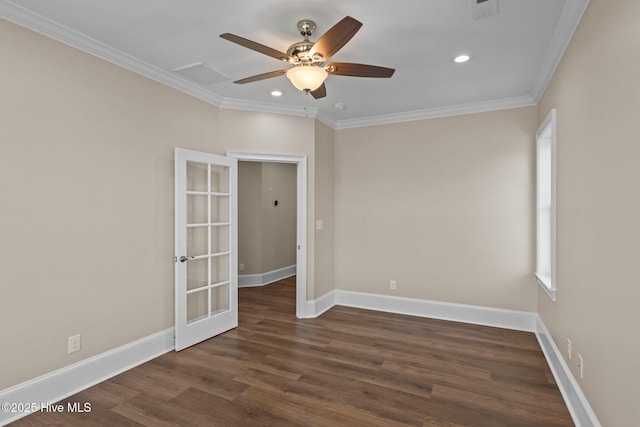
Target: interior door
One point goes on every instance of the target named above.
(206, 278)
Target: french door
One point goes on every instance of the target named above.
(206, 279)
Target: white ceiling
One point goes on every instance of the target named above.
(514, 53)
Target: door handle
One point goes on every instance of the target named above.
(185, 258)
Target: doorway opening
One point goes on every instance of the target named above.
(301, 216)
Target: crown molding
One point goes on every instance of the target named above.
(46, 27)
(569, 20)
(567, 25)
(38, 23)
(266, 107)
(431, 113)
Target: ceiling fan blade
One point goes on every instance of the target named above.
(259, 77)
(321, 92)
(337, 36)
(266, 50)
(358, 70)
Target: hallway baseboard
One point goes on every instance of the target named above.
(249, 280)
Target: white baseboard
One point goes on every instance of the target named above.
(496, 317)
(72, 379)
(579, 408)
(581, 411)
(318, 306)
(250, 280)
(64, 382)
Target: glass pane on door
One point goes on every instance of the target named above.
(219, 239)
(197, 179)
(197, 306)
(219, 209)
(220, 299)
(197, 212)
(197, 241)
(219, 269)
(219, 179)
(197, 273)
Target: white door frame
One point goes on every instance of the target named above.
(301, 215)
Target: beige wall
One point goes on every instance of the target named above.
(86, 177)
(442, 206)
(249, 218)
(266, 233)
(596, 90)
(279, 222)
(324, 209)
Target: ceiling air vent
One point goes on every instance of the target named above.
(481, 9)
(201, 73)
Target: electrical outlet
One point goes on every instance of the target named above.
(581, 366)
(241, 267)
(392, 285)
(73, 344)
(569, 347)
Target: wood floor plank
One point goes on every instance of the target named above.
(509, 410)
(413, 359)
(376, 400)
(349, 367)
(143, 379)
(302, 410)
(434, 422)
(524, 393)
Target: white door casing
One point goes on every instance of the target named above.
(301, 227)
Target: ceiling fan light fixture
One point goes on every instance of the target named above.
(308, 71)
(307, 77)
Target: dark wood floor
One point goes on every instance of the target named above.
(349, 367)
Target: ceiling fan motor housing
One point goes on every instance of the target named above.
(299, 50)
(306, 27)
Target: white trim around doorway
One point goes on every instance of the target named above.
(301, 214)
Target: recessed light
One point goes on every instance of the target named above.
(461, 58)
(276, 93)
(339, 106)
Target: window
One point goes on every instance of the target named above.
(545, 205)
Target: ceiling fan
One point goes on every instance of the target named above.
(308, 58)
